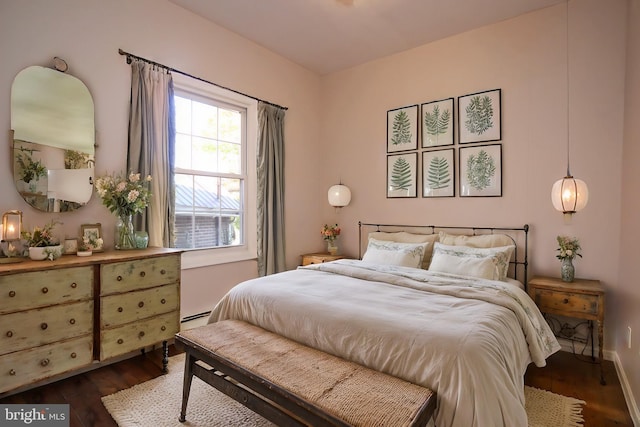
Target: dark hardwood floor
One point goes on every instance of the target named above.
(564, 374)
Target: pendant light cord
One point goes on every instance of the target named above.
(568, 96)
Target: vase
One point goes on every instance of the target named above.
(567, 271)
(332, 248)
(45, 252)
(142, 239)
(124, 234)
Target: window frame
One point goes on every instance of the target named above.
(203, 257)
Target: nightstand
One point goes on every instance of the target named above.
(580, 299)
(319, 258)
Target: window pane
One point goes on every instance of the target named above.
(230, 126)
(205, 155)
(183, 151)
(205, 120)
(183, 114)
(230, 157)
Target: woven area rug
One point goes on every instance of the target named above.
(156, 403)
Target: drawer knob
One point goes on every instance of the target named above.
(45, 290)
(72, 321)
(565, 301)
(74, 355)
(119, 278)
(163, 328)
(74, 285)
(9, 334)
(141, 304)
(12, 372)
(141, 334)
(142, 274)
(163, 301)
(44, 362)
(12, 294)
(120, 309)
(120, 341)
(43, 326)
(163, 271)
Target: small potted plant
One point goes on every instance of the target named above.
(30, 170)
(42, 243)
(88, 244)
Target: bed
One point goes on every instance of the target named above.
(441, 308)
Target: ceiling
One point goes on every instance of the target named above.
(331, 35)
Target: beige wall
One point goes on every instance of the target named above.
(525, 57)
(336, 126)
(88, 34)
(627, 312)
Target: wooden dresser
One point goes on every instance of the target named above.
(63, 315)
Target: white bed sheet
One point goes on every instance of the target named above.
(469, 340)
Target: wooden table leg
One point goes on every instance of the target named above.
(186, 387)
(165, 357)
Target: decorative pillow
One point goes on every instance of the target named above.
(404, 237)
(395, 253)
(480, 241)
(485, 263)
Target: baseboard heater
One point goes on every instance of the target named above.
(195, 316)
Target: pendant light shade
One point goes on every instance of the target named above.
(569, 195)
(339, 195)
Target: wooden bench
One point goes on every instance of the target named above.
(294, 385)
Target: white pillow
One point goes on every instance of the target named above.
(405, 237)
(477, 241)
(395, 253)
(485, 263)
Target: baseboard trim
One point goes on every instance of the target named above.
(626, 390)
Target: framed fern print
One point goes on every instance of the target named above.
(479, 116)
(402, 129)
(481, 171)
(438, 176)
(437, 123)
(402, 175)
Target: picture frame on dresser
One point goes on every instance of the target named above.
(70, 246)
(94, 230)
(479, 117)
(402, 129)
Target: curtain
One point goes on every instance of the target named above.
(270, 171)
(151, 147)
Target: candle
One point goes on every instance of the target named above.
(11, 232)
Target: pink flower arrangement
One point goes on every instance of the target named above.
(330, 232)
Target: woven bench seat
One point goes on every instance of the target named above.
(294, 385)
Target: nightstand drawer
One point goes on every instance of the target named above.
(319, 258)
(566, 303)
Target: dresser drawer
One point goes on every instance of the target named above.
(30, 328)
(134, 336)
(23, 291)
(119, 309)
(139, 274)
(28, 366)
(566, 303)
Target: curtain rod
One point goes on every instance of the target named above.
(131, 55)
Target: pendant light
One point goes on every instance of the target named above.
(569, 195)
(339, 195)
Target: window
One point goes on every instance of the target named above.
(214, 172)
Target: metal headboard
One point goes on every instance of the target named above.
(518, 261)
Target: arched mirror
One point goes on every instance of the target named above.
(52, 121)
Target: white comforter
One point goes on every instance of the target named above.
(468, 339)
